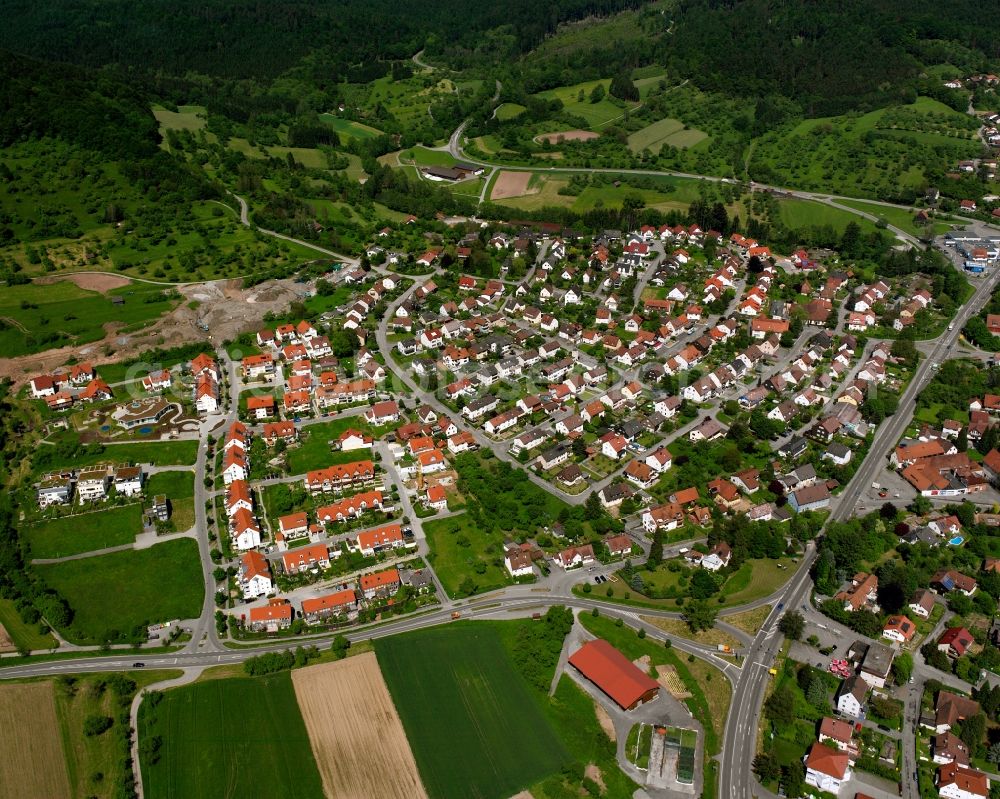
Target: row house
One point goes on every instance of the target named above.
(339, 476)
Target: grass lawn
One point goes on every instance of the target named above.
(349, 128)
(508, 111)
(596, 114)
(186, 117)
(458, 548)
(24, 636)
(242, 736)
(475, 728)
(84, 532)
(110, 595)
(756, 579)
(37, 317)
(176, 485)
(805, 213)
(158, 453)
(313, 451)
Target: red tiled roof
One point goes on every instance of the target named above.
(612, 672)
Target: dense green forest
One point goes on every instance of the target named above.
(828, 57)
(247, 39)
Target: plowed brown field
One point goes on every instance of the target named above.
(357, 738)
(32, 765)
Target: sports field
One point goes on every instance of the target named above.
(238, 737)
(476, 731)
(112, 594)
(357, 738)
(84, 532)
(32, 765)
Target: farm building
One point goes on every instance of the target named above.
(614, 674)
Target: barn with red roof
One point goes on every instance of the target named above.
(614, 674)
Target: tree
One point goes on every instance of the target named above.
(817, 695)
(766, 767)
(780, 706)
(703, 584)
(993, 753)
(623, 87)
(699, 615)
(902, 668)
(656, 549)
(593, 508)
(973, 731)
(597, 94)
(792, 625)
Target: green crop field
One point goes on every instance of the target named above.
(669, 132)
(116, 593)
(84, 532)
(35, 317)
(349, 128)
(475, 728)
(508, 111)
(233, 737)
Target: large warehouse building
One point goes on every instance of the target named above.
(614, 674)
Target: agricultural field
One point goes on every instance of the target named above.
(113, 595)
(83, 532)
(32, 765)
(36, 317)
(347, 128)
(576, 101)
(242, 736)
(475, 728)
(669, 132)
(459, 550)
(356, 735)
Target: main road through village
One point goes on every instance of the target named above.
(748, 673)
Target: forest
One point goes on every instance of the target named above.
(828, 57)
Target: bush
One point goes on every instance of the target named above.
(96, 725)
